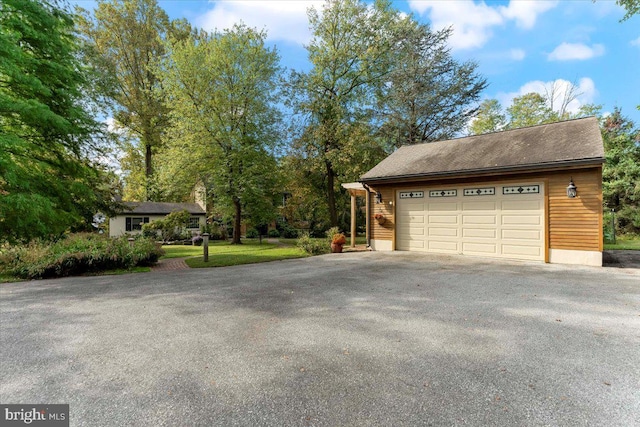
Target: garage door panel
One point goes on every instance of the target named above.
(417, 244)
(479, 248)
(535, 235)
(443, 246)
(443, 219)
(410, 219)
(520, 250)
(486, 233)
(442, 207)
(521, 220)
(478, 219)
(521, 205)
(442, 232)
(479, 206)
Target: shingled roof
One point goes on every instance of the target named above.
(160, 208)
(572, 142)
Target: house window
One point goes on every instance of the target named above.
(194, 222)
(134, 223)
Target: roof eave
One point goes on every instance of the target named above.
(537, 167)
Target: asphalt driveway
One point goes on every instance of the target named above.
(341, 339)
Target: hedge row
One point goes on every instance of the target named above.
(77, 254)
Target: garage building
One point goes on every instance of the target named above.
(533, 193)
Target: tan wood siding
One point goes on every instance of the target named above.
(576, 223)
(384, 231)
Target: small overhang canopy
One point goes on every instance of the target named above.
(355, 188)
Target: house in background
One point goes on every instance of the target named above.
(533, 193)
(130, 221)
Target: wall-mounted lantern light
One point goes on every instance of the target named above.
(572, 190)
(378, 197)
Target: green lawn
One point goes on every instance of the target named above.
(222, 254)
(630, 243)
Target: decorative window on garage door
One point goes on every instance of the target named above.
(486, 191)
(411, 194)
(443, 193)
(521, 189)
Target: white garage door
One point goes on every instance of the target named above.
(490, 220)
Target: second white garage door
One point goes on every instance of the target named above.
(504, 221)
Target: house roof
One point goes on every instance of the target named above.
(160, 208)
(572, 142)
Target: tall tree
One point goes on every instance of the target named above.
(621, 172)
(427, 95)
(528, 110)
(350, 57)
(123, 39)
(531, 109)
(490, 118)
(47, 181)
(223, 87)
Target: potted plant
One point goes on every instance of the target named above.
(380, 218)
(337, 241)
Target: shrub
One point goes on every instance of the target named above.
(286, 230)
(216, 232)
(312, 246)
(274, 233)
(78, 254)
(197, 240)
(252, 233)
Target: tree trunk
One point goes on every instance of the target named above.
(148, 171)
(331, 195)
(237, 222)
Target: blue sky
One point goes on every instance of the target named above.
(520, 45)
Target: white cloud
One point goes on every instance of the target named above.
(635, 42)
(517, 54)
(575, 51)
(525, 12)
(283, 20)
(586, 90)
(473, 22)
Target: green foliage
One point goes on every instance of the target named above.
(379, 79)
(122, 40)
(333, 233)
(77, 254)
(216, 231)
(490, 118)
(531, 109)
(47, 182)
(252, 233)
(427, 95)
(274, 233)
(632, 7)
(171, 227)
(349, 54)
(226, 124)
(621, 172)
(313, 246)
(286, 230)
